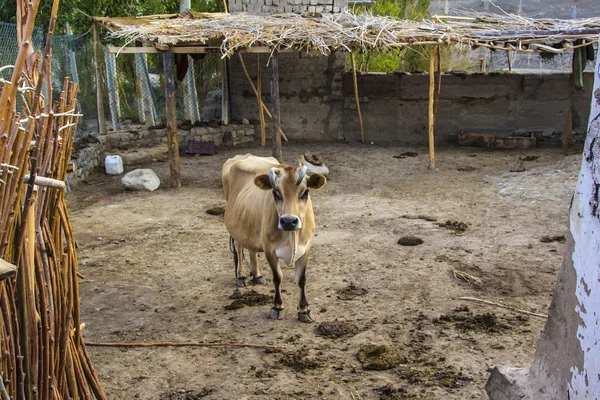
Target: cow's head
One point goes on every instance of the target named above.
(290, 187)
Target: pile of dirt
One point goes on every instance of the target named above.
(300, 361)
(336, 329)
(467, 321)
(410, 241)
(378, 357)
(182, 394)
(389, 392)
(556, 238)
(248, 298)
(351, 292)
(456, 226)
(443, 376)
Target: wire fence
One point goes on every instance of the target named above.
(134, 81)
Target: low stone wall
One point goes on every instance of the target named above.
(90, 152)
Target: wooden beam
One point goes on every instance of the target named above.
(275, 105)
(192, 50)
(431, 101)
(173, 152)
(99, 85)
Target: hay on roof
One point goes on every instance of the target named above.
(322, 33)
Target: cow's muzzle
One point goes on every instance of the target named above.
(289, 223)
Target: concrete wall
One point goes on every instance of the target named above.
(310, 90)
(317, 102)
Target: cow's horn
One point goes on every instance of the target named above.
(301, 174)
(272, 173)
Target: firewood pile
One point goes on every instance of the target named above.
(42, 352)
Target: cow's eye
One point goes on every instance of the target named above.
(277, 196)
(304, 195)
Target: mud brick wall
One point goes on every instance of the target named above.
(394, 106)
(287, 6)
(310, 90)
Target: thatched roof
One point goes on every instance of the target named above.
(322, 33)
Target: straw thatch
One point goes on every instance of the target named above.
(322, 33)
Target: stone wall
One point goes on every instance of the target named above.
(317, 102)
(394, 106)
(310, 89)
(288, 6)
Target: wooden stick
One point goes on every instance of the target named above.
(277, 152)
(261, 112)
(182, 344)
(256, 93)
(360, 121)
(438, 88)
(99, 84)
(46, 182)
(431, 113)
(173, 154)
(503, 306)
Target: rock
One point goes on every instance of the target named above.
(141, 179)
(245, 121)
(410, 240)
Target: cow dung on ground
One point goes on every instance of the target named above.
(216, 211)
(410, 240)
(336, 329)
(378, 357)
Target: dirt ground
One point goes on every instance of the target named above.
(390, 324)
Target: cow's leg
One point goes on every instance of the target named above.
(257, 278)
(304, 313)
(240, 272)
(277, 310)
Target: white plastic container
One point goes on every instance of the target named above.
(113, 165)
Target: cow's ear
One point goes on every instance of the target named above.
(316, 181)
(263, 182)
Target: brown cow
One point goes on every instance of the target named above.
(269, 210)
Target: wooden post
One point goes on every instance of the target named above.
(113, 89)
(261, 112)
(275, 105)
(72, 61)
(258, 94)
(224, 93)
(438, 87)
(431, 99)
(190, 94)
(99, 85)
(360, 121)
(171, 120)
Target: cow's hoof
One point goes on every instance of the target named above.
(305, 316)
(258, 280)
(241, 281)
(277, 313)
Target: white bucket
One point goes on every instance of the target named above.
(113, 165)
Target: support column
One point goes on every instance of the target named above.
(113, 89)
(567, 359)
(173, 154)
(275, 106)
(224, 92)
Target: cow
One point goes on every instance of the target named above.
(269, 210)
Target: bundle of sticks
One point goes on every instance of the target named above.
(42, 352)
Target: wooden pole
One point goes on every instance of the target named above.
(224, 93)
(431, 100)
(360, 121)
(173, 153)
(438, 88)
(275, 105)
(256, 93)
(141, 99)
(99, 85)
(261, 112)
